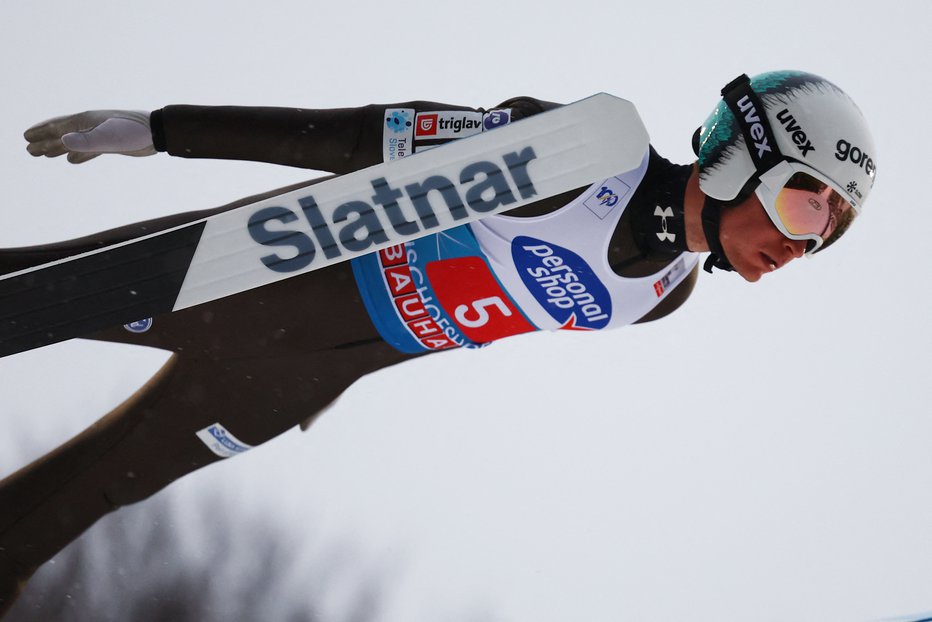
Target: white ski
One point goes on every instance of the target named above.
(336, 220)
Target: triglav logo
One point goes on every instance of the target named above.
(795, 130)
(756, 127)
(426, 125)
(664, 213)
(448, 124)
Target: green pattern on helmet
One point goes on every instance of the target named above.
(720, 132)
(776, 81)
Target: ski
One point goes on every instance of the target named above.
(319, 225)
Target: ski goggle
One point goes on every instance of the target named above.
(803, 204)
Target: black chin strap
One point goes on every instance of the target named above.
(711, 215)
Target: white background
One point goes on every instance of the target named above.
(763, 454)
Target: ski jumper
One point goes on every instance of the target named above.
(251, 366)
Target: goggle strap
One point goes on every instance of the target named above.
(751, 116)
(711, 216)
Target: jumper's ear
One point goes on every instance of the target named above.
(696, 141)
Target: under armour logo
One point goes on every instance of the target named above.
(666, 212)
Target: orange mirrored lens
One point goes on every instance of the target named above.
(807, 206)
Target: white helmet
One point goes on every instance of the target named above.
(808, 122)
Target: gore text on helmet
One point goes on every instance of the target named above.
(846, 151)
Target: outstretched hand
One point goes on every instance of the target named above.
(86, 135)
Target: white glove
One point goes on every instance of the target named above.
(87, 135)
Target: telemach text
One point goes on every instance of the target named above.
(357, 225)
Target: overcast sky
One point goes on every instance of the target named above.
(762, 454)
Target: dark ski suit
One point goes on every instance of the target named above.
(248, 361)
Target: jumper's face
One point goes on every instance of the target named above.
(752, 243)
